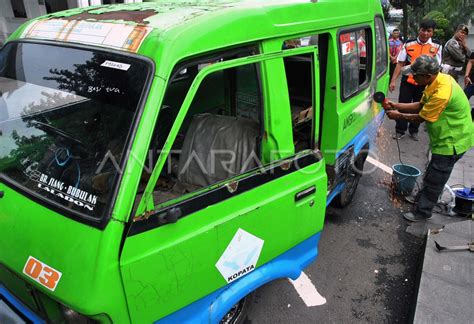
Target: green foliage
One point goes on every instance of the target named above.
(434, 15)
(447, 14)
(412, 3)
(442, 31)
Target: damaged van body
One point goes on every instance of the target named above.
(162, 161)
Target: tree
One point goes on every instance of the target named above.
(442, 31)
(446, 13)
(404, 4)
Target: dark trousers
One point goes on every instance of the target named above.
(469, 91)
(408, 93)
(436, 176)
(392, 69)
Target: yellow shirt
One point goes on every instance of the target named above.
(447, 113)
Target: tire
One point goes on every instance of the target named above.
(238, 313)
(354, 173)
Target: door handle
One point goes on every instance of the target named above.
(305, 193)
(2, 194)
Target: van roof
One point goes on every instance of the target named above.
(191, 20)
(167, 14)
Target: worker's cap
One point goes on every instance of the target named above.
(423, 65)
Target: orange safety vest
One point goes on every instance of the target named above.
(415, 49)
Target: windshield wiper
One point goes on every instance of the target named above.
(56, 131)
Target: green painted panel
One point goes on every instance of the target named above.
(174, 265)
(86, 257)
(167, 268)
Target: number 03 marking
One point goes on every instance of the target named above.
(42, 273)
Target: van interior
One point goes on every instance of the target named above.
(222, 132)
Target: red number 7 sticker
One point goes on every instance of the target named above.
(42, 273)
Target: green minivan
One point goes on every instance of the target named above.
(159, 162)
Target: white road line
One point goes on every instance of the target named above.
(307, 291)
(379, 165)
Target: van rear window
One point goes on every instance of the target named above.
(65, 117)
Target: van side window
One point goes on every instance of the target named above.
(181, 79)
(300, 76)
(354, 48)
(301, 42)
(218, 139)
(248, 99)
(381, 55)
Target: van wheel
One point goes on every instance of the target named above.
(238, 313)
(352, 180)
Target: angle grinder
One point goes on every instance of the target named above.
(379, 97)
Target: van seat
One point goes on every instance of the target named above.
(217, 147)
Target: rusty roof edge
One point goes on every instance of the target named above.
(195, 8)
(158, 7)
(100, 9)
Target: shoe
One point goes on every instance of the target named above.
(414, 136)
(398, 135)
(410, 199)
(412, 217)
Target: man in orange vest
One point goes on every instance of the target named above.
(410, 91)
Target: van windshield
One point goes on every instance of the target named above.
(65, 116)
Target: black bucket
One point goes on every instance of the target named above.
(464, 201)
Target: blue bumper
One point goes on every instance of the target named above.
(213, 307)
(12, 309)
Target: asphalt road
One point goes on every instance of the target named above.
(368, 264)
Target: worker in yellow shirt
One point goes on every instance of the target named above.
(447, 113)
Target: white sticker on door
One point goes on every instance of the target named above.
(241, 256)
